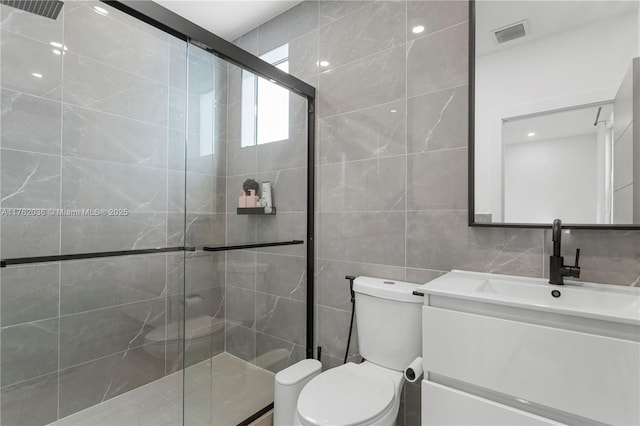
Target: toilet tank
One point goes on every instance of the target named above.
(389, 321)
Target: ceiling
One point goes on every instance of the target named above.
(555, 125)
(545, 18)
(228, 19)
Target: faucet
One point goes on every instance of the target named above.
(557, 269)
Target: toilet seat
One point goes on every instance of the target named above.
(348, 395)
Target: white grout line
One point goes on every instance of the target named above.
(0, 246)
(406, 145)
(334, 212)
(166, 258)
(364, 4)
(226, 183)
(440, 90)
(440, 30)
(429, 92)
(60, 220)
(111, 163)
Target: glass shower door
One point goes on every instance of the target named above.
(92, 141)
(244, 131)
(134, 288)
(204, 279)
(266, 309)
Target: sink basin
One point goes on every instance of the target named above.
(601, 301)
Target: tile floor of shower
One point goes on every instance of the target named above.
(223, 390)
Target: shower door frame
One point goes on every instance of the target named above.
(156, 15)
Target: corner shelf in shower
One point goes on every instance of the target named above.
(255, 211)
(241, 246)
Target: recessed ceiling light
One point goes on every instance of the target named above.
(324, 63)
(417, 29)
(393, 110)
(56, 44)
(531, 134)
(57, 52)
(101, 10)
(36, 74)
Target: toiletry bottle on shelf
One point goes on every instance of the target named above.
(267, 197)
(252, 199)
(242, 201)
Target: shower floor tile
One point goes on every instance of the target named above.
(220, 391)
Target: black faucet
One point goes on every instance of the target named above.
(557, 269)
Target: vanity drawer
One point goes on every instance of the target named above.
(443, 406)
(587, 375)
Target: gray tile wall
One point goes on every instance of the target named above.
(266, 288)
(392, 159)
(112, 123)
(205, 203)
(103, 127)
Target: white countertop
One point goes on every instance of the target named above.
(591, 300)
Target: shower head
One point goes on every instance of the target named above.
(46, 8)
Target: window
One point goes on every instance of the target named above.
(207, 123)
(265, 105)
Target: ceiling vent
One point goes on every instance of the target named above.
(511, 32)
(46, 8)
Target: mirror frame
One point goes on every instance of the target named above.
(471, 149)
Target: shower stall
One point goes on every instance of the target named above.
(135, 289)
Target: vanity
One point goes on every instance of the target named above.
(506, 350)
(554, 132)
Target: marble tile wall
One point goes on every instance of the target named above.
(391, 159)
(102, 125)
(266, 288)
(205, 201)
(205, 186)
(130, 118)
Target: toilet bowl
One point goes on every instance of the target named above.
(388, 317)
(352, 394)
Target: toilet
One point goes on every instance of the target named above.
(388, 317)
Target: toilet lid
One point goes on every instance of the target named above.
(346, 395)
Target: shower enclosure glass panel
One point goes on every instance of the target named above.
(205, 177)
(92, 141)
(254, 298)
(120, 145)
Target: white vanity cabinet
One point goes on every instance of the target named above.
(502, 350)
(442, 405)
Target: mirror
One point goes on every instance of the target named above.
(555, 113)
